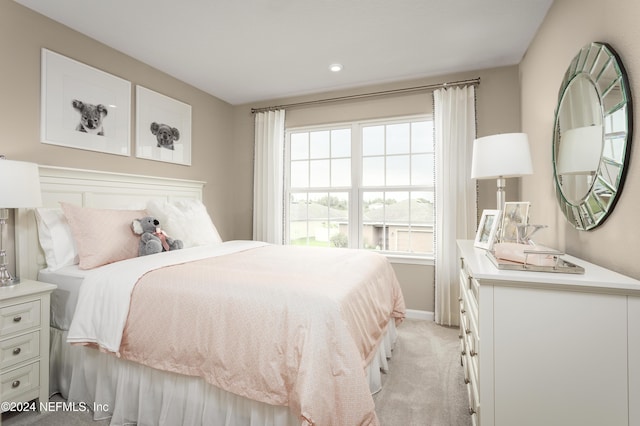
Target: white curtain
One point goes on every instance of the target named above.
(455, 130)
(268, 177)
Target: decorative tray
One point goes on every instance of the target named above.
(561, 265)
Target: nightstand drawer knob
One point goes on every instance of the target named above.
(17, 319)
(15, 384)
(17, 351)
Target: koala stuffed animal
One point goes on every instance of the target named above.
(165, 135)
(91, 117)
(152, 238)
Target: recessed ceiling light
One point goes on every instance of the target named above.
(335, 67)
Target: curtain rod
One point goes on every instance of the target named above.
(473, 82)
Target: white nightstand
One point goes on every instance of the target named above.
(24, 342)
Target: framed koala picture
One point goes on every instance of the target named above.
(83, 107)
(163, 127)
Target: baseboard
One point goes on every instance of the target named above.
(420, 315)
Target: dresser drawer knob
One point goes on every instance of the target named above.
(463, 353)
(466, 381)
(459, 299)
(473, 353)
(15, 384)
(468, 331)
(17, 319)
(462, 311)
(472, 411)
(17, 351)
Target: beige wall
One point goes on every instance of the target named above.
(22, 35)
(498, 111)
(569, 25)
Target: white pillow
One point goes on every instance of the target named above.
(186, 220)
(55, 238)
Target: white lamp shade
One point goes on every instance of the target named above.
(19, 184)
(579, 151)
(501, 156)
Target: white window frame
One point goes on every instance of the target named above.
(356, 190)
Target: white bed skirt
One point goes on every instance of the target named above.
(134, 394)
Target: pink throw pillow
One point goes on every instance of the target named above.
(102, 235)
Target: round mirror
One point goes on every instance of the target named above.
(592, 136)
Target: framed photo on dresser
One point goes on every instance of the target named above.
(487, 229)
(515, 214)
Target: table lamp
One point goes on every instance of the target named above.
(19, 188)
(499, 157)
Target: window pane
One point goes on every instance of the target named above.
(373, 140)
(421, 223)
(422, 169)
(298, 231)
(339, 219)
(319, 144)
(341, 172)
(299, 146)
(422, 208)
(373, 171)
(373, 237)
(341, 143)
(398, 170)
(319, 173)
(299, 174)
(318, 219)
(398, 138)
(422, 136)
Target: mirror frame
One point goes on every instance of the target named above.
(595, 206)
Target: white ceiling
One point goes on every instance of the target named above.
(244, 51)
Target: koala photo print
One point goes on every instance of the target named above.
(83, 107)
(163, 127)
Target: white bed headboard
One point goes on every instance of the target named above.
(91, 188)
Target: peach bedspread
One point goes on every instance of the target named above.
(279, 324)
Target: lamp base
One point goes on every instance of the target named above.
(501, 183)
(6, 279)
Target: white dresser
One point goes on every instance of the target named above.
(549, 349)
(24, 342)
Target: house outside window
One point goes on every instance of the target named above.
(367, 184)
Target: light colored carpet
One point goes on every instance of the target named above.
(424, 385)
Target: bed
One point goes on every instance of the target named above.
(224, 333)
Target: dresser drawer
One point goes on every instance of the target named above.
(18, 349)
(22, 316)
(14, 383)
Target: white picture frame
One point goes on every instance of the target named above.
(83, 107)
(159, 120)
(487, 229)
(514, 214)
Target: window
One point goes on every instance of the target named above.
(362, 185)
